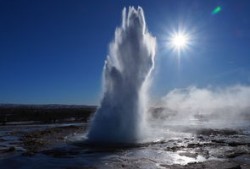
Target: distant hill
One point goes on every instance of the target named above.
(50, 113)
(45, 106)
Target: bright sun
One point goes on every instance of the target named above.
(179, 41)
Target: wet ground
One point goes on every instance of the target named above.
(48, 146)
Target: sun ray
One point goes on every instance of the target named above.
(179, 41)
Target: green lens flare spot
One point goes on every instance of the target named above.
(216, 10)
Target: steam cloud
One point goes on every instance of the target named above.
(121, 116)
(230, 104)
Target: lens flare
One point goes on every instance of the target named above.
(216, 10)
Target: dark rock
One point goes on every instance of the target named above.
(234, 143)
(215, 132)
(189, 154)
(220, 165)
(29, 153)
(237, 152)
(61, 153)
(212, 164)
(2, 140)
(218, 141)
(243, 159)
(201, 138)
(11, 149)
(8, 150)
(193, 145)
(245, 166)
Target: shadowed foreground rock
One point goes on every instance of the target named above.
(207, 165)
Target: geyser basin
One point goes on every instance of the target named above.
(121, 115)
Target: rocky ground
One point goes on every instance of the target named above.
(226, 149)
(206, 148)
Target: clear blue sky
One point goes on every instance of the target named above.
(53, 51)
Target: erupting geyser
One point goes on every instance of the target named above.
(121, 115)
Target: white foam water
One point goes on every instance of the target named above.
(121, 115)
